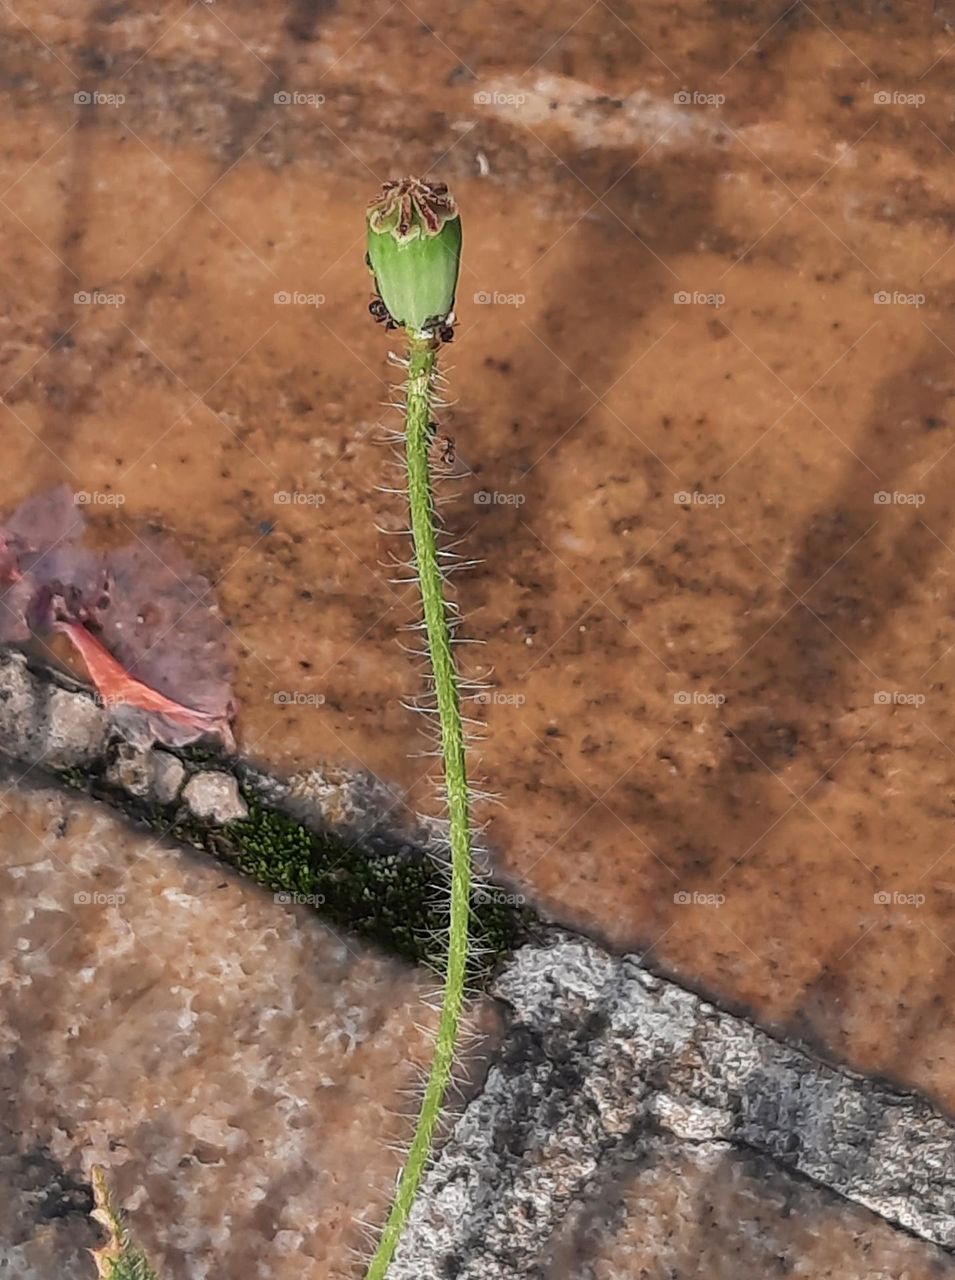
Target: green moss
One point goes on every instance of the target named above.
(74, 778)
(394, 896)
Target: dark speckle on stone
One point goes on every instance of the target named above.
(304, 18)
(460, 75)
(94, 60)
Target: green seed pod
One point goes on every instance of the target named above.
(414, 249)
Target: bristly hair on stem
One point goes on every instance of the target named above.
(414, 243)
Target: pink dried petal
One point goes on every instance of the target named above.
(118, 688)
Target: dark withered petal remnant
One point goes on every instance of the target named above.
(143, 621)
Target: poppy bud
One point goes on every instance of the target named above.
(414, 249)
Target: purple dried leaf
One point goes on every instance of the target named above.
(143, 605)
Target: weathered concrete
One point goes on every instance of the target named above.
(600, 1056)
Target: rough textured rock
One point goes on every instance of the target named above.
(240, 1070)
(41, 723)
(600, 1056)
(74, 730)
(131, 770)
(214, 796)
(145, 772)
(168, 774)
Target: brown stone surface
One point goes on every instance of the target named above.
(616, 617)
(677, 1212)
(238, 1068)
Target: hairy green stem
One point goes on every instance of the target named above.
(421, 502)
